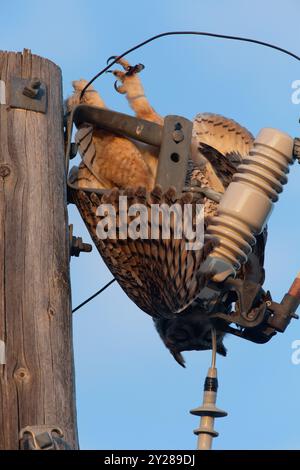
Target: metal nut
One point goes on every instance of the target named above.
(32, 89)
(178, 136)
(35, 83)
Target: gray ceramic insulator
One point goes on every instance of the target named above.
(248, 202)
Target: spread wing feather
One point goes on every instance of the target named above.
(222, 142)
(161, 276)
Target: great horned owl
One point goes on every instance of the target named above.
(161, 285)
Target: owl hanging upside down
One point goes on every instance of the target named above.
(162, 278)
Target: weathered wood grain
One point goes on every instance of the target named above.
(37, 382)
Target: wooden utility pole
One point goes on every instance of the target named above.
(37, 379)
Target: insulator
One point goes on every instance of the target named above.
(208, 411)
(248, 202)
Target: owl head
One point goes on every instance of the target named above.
(191, 331)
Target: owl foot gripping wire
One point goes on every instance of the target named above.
(122, 76)
(132, 87)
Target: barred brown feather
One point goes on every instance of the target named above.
(161, 276)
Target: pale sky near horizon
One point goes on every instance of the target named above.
(130, 392)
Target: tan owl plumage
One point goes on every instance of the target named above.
(160, 276)
(106, 161)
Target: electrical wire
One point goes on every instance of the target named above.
(93, 296)
(187, 33)
(214, 347)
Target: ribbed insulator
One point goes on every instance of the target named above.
(235, 240)
(248, 201)
(265, 168)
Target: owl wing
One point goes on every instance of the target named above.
(222, 142)
(160, 275)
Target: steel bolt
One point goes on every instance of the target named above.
(77, 246)
(178, 136)
(35, 83)
(32, 89)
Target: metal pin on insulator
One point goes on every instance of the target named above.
(208, 411)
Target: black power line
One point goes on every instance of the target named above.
(93, 296)
(188, 33)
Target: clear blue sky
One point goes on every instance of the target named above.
(130, 392)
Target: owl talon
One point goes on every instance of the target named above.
(129, 69)
(132, 70)
(119, 89)
(111, 59)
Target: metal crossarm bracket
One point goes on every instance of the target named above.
(43, 437)
(119, 123)
(174, 152)
(173, 139)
